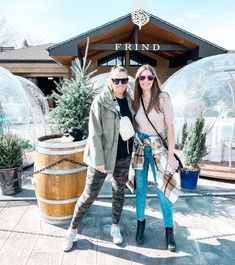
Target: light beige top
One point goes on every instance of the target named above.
(159, 120)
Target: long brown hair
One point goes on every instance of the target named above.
(155, 90)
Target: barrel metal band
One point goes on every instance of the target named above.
(45, 151)
(56, 201)
(61, 144)
(63, 171)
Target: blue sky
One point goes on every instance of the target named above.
(58, 20)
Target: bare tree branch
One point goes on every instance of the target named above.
(8, 34)
(32, 40)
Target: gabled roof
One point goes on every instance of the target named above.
(122, 30)
(37, 53)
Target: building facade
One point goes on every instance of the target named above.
(128, 42)
(131, 41)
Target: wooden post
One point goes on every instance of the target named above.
(136, 34)
(80, 56)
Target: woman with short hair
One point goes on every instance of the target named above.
(106, 152)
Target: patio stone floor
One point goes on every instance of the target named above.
(204, 231)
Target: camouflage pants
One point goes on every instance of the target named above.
(94, 182)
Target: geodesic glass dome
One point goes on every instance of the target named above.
(205, 87)
(35, 94)
(22, 106)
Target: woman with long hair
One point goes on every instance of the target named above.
(154, 121)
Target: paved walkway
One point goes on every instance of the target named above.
(204, 230)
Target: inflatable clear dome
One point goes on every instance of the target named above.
(35, 94)
(205, 87)
(22, 106)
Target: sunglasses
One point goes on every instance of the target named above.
(123, 81)
(149, 77)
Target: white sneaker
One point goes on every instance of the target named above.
(69, 238)
(115, 233)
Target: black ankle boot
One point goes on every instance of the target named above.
(140, 232)
(170, 239)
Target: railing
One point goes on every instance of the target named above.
(6, 49)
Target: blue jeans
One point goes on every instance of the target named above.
(142, 187)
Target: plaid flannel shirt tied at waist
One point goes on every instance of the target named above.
(153, 142)
(165, 182)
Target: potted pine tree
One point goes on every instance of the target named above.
(193, 151)
(11, 160)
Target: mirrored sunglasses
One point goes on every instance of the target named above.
(123, 81)
(149, 77)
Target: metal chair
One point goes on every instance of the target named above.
(230, 145)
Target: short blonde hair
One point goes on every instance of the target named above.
(118, 68)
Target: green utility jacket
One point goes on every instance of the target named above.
(102, 142)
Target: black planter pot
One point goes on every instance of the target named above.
(188, 179)
(10, 180)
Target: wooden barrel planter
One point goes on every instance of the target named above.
(59, 187)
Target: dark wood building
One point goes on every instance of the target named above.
(35, 64)
(159, 43)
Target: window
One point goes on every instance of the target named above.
(117, 58)
(137, 58)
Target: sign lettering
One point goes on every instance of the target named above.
(136, 47)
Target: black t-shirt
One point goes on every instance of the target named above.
(124, 147)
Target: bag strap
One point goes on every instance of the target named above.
(117, 107)
(149, 120)
(163, 142)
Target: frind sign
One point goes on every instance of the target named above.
(136, 47)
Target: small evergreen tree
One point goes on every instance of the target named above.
(73, 98)
(25, 44)
(184, 135)
(11, 150)
(195, 145)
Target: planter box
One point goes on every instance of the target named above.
(188, 179)
(10, 180)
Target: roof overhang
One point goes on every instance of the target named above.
(174, 42)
